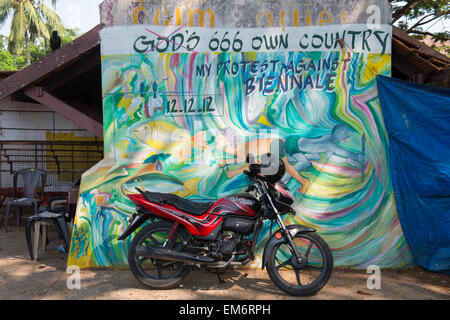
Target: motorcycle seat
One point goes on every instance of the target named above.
(195, 208)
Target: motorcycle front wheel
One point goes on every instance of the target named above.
(305, 279)
(154, 273)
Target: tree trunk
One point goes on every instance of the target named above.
(27, 45)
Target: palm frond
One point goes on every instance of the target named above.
(3, 16)
(18, 31)
(35, 21)
(6, 7)
(51, 17)
(31, 20)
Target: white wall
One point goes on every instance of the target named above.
(38, 120)
(14, 114)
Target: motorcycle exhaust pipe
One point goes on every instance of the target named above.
(173, 256)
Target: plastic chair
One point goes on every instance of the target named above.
(48, 217)
(31, 179)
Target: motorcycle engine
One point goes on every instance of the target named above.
(227, 246)
(224, 247)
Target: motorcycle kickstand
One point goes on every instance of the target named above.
(221, 281)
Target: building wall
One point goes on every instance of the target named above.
(21, 121)
(31, 122)
(177, 110)
(244, 13)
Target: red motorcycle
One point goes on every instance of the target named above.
(184, 235)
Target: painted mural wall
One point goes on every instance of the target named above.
(191, 87)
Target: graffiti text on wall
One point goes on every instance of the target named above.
(273, 75)
(143, 40)
(203, 17)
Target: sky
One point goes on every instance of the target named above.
(84, 15)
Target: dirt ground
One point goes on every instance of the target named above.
(46, 279)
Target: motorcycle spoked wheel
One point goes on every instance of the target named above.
(155, 273)
(305, 280)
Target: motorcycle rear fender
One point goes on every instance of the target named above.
(138, 220)
(273, 241)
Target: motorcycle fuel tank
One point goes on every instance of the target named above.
(242, 204)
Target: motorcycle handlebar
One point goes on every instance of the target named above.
(253, 171)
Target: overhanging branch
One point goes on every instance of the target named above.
(437, 36)
(408, 7)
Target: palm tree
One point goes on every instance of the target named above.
(30, 19)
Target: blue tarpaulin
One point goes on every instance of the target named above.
(417, 119)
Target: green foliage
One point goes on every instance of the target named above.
(30, 20)
(38, 49)
(419, 8)
(9, 61)
(413, 15)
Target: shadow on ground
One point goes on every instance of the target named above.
(21, 278)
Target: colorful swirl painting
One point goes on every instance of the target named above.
(182, 122)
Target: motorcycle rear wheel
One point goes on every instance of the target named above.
(294, 280)
(154, 273)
